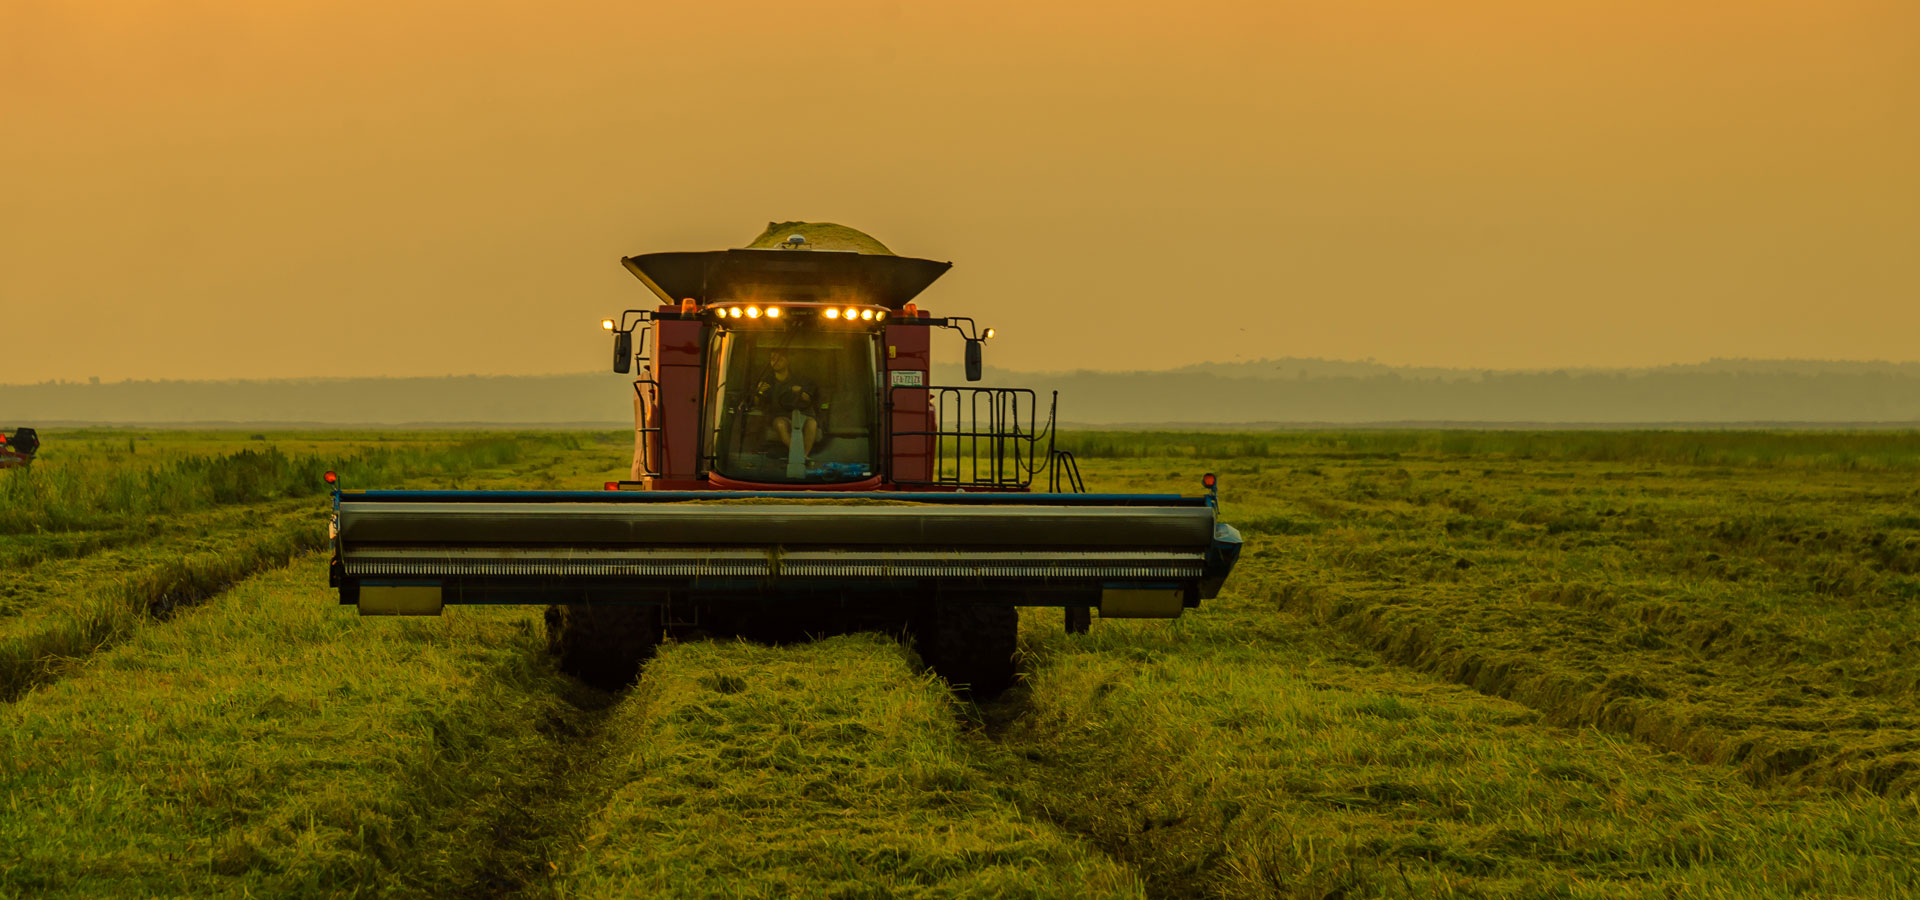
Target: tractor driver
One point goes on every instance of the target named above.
(783, 393)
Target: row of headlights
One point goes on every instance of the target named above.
(751, 312)
(774, 312)
(851, 313)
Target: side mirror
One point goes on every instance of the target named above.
(973, 359)
(623, 352)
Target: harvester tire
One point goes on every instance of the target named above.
(971, 645)
(602, 645)
(1079, 619)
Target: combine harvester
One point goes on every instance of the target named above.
(796, 470)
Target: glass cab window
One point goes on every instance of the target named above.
(790, 403)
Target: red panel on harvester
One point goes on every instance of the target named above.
(679, 368)
(908, 372)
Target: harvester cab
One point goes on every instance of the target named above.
(796, 470)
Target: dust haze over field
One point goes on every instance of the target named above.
(220, 190)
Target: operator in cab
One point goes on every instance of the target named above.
(784, 392)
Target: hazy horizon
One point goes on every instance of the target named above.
(1838, 394)
(1229, 368)
(222, 191)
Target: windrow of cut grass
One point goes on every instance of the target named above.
(1758, 617)
(828, 769)
(115, 593)
(95, 486)
(1243, 752)
(273, 744)
(24, 588)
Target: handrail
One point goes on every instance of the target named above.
(1063, 468)
(992, 441)
(651, 406)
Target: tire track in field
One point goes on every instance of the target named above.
(534, 822)
(1055, 790)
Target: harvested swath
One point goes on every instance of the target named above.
(112, 556)
(276, 745)
(1759, 616)
(818, 770)
(55, 632)
(1248, 754)
(1838, 741)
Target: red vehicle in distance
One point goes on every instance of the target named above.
(17, 449)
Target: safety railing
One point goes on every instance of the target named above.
(981, 437)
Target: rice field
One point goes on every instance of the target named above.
(1501, 665)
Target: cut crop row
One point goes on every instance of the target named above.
(1758, 661)
(52, 631)
(1747, 617)
(829, 769)
(1245, 752)
(273, 744)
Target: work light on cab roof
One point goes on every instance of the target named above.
(794, 461)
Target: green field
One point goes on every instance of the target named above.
(1466, 664)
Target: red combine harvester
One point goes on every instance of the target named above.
(17, 451)
(796, 471)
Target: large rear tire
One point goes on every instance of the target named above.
(971, 645)
(602, 645)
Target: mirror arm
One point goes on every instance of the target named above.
(640, 315)
(970, 332)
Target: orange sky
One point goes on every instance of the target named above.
(227, 189)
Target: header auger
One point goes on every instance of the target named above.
(795, 470)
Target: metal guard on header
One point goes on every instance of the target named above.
(521, 546)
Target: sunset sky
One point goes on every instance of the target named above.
(290, 189)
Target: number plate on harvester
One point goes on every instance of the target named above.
(908, 378)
